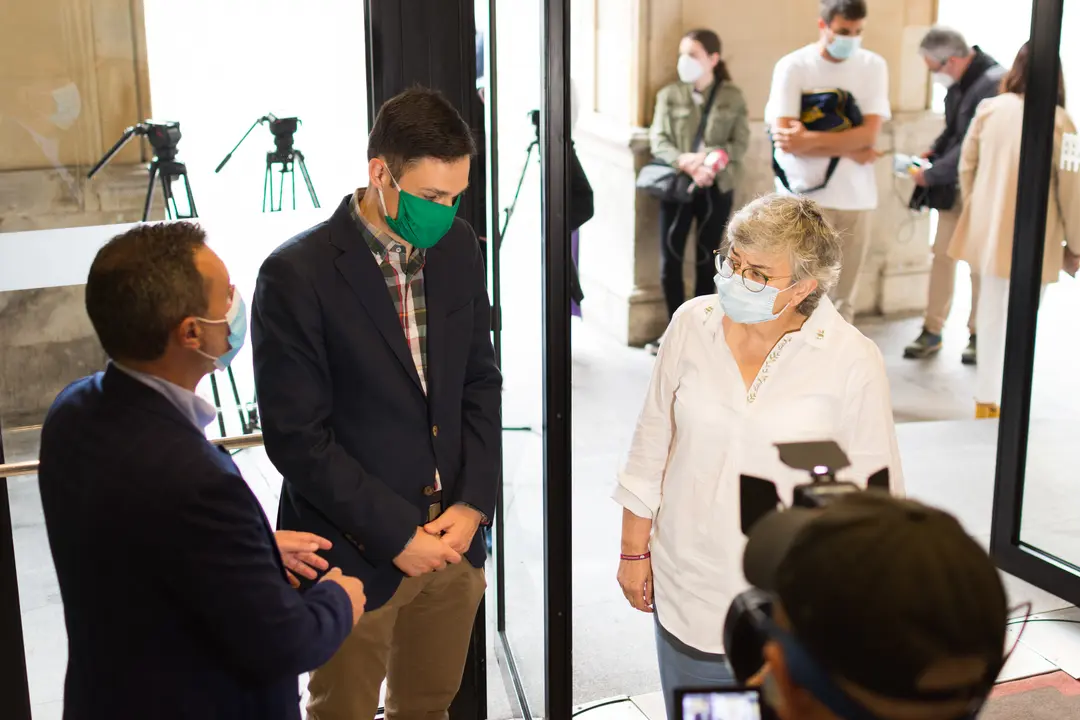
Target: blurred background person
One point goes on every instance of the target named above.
(700, 127)
(971, 76)
(834, 167)
(176, 594)
(768, 360)
(989, 167)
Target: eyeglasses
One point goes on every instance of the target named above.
(753, 279)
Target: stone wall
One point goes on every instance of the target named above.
(46, 342)
(75, 76)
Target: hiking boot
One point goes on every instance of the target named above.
(925, 345)
(968, 358)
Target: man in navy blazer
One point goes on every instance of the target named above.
(176, 593)
(380, 404)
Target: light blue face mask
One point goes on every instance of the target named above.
(843, 46)
(746, 306)
(236, 317)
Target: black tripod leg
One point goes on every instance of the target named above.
(521, 181)
(307, 180)
(236, 397)
(190, 197)
(292, 178)
(281, 188)
(149, 192)
(217, 404)
(267, 186)
(170, 201)
(253, 413)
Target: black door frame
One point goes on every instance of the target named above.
(558, 499)
(1036, 164)
(14, 682)
(555, 231)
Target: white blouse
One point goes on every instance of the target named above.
(700, 429)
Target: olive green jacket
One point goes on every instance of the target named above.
(676, 119)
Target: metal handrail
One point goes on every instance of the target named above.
(238, 442)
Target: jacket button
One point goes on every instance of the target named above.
(435, 430)
(429, 491)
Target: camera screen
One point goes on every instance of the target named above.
(732, 704)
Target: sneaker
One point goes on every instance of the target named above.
(925, 345)
(968, 358)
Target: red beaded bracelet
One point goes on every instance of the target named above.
(646, 556)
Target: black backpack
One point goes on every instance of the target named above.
(823, 111)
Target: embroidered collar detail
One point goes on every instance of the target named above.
(766, 368)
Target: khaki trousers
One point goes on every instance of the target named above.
(943, 277)
(854, 229)
(418, 642)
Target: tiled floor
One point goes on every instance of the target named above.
(949, 462)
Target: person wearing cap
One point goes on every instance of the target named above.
(883, 609)
(767, 360)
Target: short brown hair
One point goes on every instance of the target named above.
(847, 9)
(1015, 81)
(142, 285)
(419, 123)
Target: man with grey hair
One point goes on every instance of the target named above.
(971, 76)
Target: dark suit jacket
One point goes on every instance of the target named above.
(344, 416)
(175, 598)
(982, 80)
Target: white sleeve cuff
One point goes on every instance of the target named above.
(633, 503)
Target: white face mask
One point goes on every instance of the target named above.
(944, 79)
(690, 70)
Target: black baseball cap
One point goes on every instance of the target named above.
(902, 609)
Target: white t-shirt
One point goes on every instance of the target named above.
(866, 76)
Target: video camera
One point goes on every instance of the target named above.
(163, 137)
(744, 634)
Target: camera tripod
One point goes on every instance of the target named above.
(284, 158)
(164, 138)
(534, 115)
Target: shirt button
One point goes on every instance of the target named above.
(429, 491)
(435, 430)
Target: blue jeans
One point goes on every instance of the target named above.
(680, 670)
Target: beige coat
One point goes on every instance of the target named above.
(989, 166)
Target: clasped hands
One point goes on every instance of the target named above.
(693, 164)
(796, 140)
(441, 542)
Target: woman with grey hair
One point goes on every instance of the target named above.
(766, 360)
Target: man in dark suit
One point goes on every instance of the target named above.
(380, 403)
(176, 595)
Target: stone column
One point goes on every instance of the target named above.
(75, 76)
(626, 51)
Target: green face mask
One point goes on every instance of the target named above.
(421, 223)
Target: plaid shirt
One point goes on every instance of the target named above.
(405, 282)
